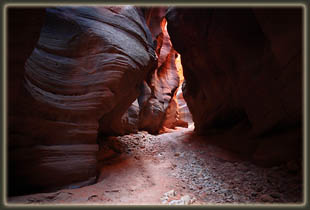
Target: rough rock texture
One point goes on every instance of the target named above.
(154, 17)
(130, 119)
(243, 72)
(158, 104)
(87, 67)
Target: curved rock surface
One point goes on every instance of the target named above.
(158, 103)
(243, 76)
(84, 73)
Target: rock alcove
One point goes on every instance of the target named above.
(99, 109)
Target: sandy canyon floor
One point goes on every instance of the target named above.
(177, 168)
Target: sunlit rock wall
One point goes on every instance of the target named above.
(158, 104)
(184, 115)
(159, 110)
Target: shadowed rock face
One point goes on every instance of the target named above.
(22, 25)
(84, 73)
(243, 72)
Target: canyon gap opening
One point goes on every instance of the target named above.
(96, 91)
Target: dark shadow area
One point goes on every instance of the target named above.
(121, 105)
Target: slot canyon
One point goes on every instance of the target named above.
(154, 105)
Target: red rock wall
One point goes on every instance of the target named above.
(158, 105)
(163, 84)
(243, 73)
(84, 73)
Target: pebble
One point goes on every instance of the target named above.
(217, 181)
(186, 199)
(266, 198)
(170, 193)
(176, 202)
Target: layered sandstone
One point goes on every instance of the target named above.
(83, 74)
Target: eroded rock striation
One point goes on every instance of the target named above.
(243, 76)
(158, 101)
(84, 73)
(159, 106)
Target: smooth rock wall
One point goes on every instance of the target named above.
(243, 76)
(83, 74)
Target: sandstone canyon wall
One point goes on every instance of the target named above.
(157, 105)
(158, 101)
(76, 73)
(243, 76)
(83, 74)
(163, 84)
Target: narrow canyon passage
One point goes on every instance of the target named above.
(155, 105)
(178, 168)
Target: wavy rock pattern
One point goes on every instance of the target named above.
(90, 62)
(84, 73)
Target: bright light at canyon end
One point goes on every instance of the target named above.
(154, 105)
